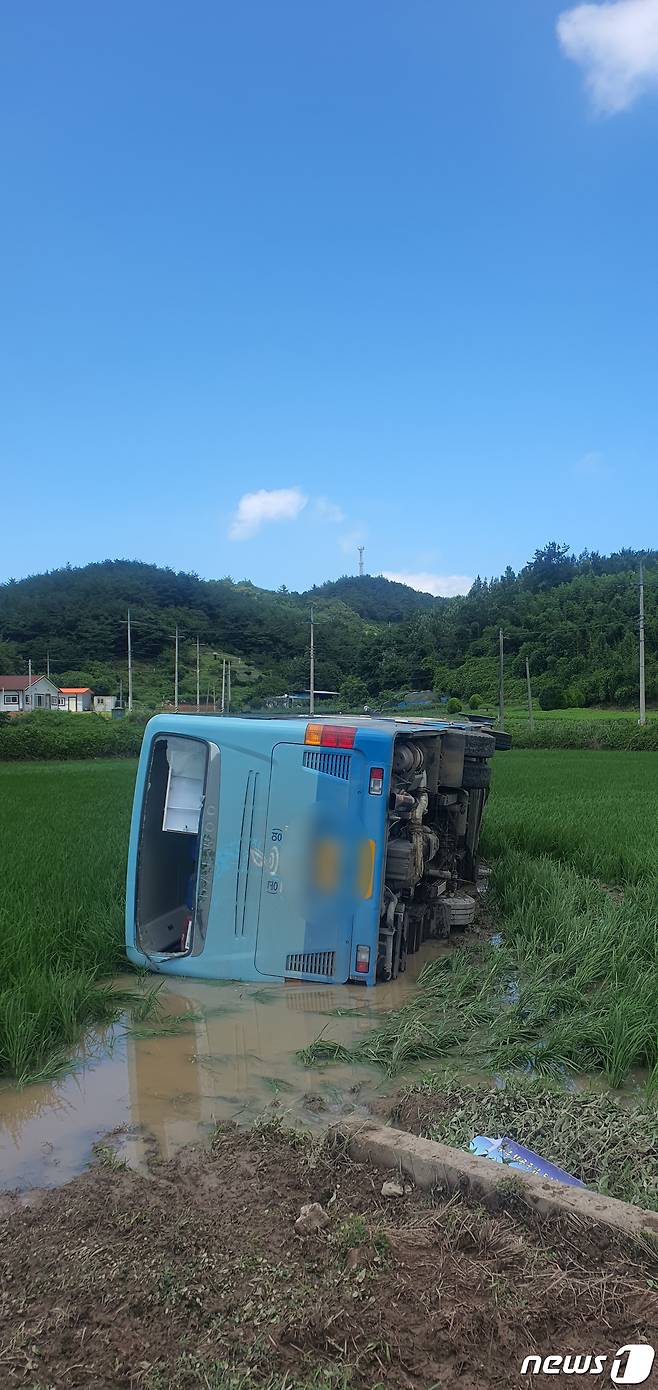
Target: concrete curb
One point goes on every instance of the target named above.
(429, 1164)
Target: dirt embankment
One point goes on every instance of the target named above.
(195, 1277)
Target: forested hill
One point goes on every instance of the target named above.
(376, 599)
(575, 617)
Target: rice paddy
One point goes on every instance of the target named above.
(64, 836)
(572, 984)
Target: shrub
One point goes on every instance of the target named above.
(585, 733)
(353, 692)
(454, 706)
(551, 697)
(51, 734)
(475, 702)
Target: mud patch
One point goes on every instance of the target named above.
(231, 1055)
(194, 1275)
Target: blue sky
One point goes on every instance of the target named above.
(279, 278)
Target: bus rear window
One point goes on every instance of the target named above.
(168, 856)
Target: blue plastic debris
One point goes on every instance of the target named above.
(514, 1155)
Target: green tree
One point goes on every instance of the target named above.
(551, 697)
(353, 692)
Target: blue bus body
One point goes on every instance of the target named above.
(263, 849)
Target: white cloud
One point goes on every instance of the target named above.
(441, 585)
(328, 510)
(617, 46)
(256, 509)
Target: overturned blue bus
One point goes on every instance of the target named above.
(301, 849)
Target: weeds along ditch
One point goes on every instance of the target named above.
(64, 836)
(596, 1136)
(571, 985)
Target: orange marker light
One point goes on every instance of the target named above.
(331, 735)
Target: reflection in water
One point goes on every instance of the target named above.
(236, 1059)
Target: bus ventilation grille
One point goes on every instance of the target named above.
(332, 764)
(311, 963)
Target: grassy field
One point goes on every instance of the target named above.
(571, 984)
(518, 713)
(64, 836)
(567, 728)
(514, 712)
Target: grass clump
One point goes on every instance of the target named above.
(352, 1234)
(450, 1005)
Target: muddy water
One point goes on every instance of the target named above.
(235, 1058)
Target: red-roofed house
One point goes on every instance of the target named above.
(19, 694)
(76, 698)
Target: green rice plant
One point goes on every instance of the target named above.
(64, 834)
(147, 1004)
(594, 810)
(573, 985)
(168, 1026)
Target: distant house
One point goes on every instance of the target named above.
(18, 694)
(414, 698)
(75, 698)
(104, 704)
(290, 701)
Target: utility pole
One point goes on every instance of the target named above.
(130, 667)
(198, 703)
(214, 700)
(176, 673)
(527, 676)
(643, 708)
(501, 681)
(228, 687)
(224, 685)
(29, 681)
(360, 549)
(48, 663)
(311, 692)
